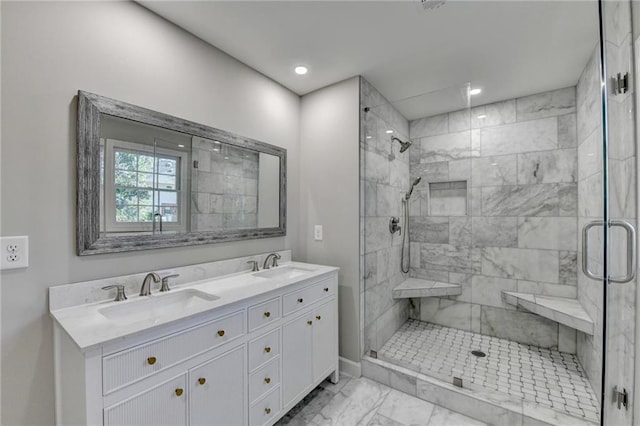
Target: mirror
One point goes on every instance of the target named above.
(149, 180)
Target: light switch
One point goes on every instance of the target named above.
(317, 232)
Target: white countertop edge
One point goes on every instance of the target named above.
(89, 329)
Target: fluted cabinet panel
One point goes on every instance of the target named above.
(133, 364)
(165, 404)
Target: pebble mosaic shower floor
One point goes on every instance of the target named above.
(548, 377)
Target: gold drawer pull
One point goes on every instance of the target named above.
(267, 380)
(151, 360)
(318, 317)
(267, 410)
(300, 300)
(179, 391)
(220, 333)
(309, 322)
(202, 380)
(267, 314)
(267, 349)
(326, 289)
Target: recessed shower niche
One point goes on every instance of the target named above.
(447, 198)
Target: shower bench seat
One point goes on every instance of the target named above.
(563, 310)
(417, 287)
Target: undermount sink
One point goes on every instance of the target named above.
(283, 272)
(157, 306)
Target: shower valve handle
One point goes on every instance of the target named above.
(394, 225)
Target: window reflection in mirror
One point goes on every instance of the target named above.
(156, 181)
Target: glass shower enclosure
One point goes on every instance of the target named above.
(498, 239)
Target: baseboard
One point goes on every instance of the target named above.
(350, 368)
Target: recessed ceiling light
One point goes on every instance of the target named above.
(481, 116)
(475, 91)
(389, 131)
(180, 145)
(301, 70)
(216, 149)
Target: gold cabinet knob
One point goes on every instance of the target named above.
(300, 300)
(179, 391)
(309, 322)
(318, 317)
(151, 360)
(220, 333)
(267, 314)
(267, 410)
(326, 289)
(202, 380)
(267, 380)
(267, 349)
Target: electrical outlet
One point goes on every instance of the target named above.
(14, 252)
(317, 232)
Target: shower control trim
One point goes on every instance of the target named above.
(394, 225)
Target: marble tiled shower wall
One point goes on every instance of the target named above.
(519, 231)
(224, 193)
(384, 178)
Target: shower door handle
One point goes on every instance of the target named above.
(585, 249)
(631, 251)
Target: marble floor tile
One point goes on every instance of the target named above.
(355, 404)
(441, 417)
(363, 402)
(547, 377)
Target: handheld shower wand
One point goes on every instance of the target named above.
(415, 182)
(405, 207)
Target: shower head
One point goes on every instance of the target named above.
(403, 145)
(415, 182)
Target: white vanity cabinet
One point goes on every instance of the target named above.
(165, 404)
(245, 363)
(217, 390)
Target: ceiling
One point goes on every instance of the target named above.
(508, 48)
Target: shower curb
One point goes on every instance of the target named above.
(490, 407)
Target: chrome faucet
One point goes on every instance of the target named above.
(274, 263)
(145, 290)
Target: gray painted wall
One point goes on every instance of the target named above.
(120, 50)
(329, 195)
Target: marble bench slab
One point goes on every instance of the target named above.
(416, 287)
(566, 311)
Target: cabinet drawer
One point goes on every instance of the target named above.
(133, 364)
(264, 349)
(264, 313)
(307, 296)
(265, 409)
(264, 379)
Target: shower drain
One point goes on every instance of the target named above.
(479, 354)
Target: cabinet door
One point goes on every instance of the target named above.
(217, 390)
(324, 340)
(165, 404)
(296, 357)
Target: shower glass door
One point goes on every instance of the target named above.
(619, 212)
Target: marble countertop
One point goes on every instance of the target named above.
(89, 328)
